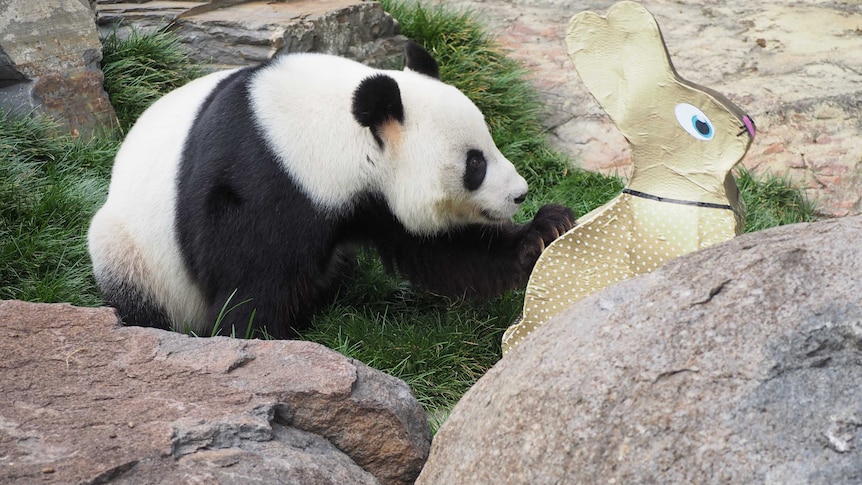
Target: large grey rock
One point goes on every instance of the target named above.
(235, 32)
(49, 63)
(740, 363)
(85, 400)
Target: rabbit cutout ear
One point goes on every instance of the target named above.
(620, 58)
(682, 134)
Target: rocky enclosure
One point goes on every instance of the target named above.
(739, 363)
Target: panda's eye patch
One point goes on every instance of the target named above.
(474, 173)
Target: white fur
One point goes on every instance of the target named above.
(420, 169)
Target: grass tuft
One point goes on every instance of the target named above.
(142, 67)
(772, 200)
(439, 346)
(49, 188)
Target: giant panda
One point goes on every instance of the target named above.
(256, 184)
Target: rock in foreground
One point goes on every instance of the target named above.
(741, 363)
(86, 400)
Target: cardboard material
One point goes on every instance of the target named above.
(685, 139)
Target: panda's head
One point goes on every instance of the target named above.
(438, 165)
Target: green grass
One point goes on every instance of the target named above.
(141, 68)
(772, 200)
(439, 346)
(50, 186)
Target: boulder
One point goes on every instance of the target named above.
(740, 363)
(86, 400)
(230, 33)
(49, 63)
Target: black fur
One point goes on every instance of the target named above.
(134, 307)
(376, 101)
(419, 60)
(246, 229)
(475, 261)
(244, 225)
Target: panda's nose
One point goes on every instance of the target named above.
(521, 198)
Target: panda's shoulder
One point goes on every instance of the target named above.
(231, 90)
(313, 63)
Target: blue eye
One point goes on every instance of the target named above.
(693, 121)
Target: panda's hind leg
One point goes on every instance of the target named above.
(278, 301)
(118, 268)
(260, 311)
(134, 307)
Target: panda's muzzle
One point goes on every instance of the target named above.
(493, 216)
(506, 214)
(487, 215)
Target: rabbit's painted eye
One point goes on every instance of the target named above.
(694, 121)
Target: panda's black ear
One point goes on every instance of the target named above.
(377, 101)
(419, 60)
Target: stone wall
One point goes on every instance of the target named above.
(236, 33)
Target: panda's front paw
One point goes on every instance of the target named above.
(551, 222)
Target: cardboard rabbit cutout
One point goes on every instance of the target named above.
(684, 138)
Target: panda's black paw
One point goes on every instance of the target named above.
(551, 222)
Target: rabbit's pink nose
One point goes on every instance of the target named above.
(749, 125)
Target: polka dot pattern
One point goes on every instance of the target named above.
(626, 237)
